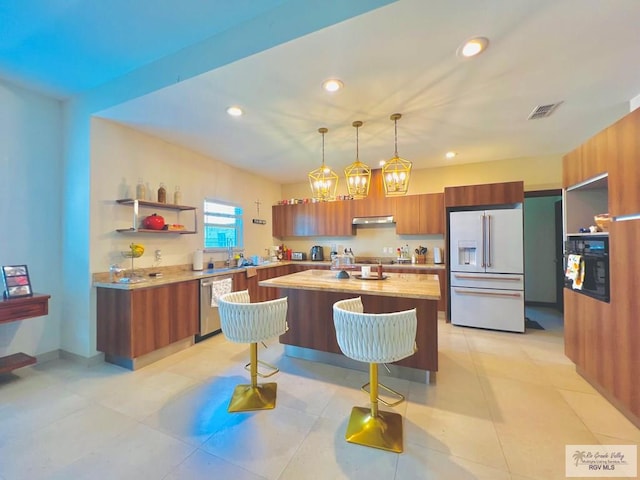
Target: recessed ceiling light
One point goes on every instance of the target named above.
(234, 111)
(332, 85)
(473, 47)
(450, 155)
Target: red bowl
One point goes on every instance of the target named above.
(153, 222)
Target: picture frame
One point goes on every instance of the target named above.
(16, 281)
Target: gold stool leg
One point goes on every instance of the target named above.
(373, 428)
(254, 396)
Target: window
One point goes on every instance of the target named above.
(223, 225)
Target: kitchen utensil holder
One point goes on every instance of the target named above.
(421, 259)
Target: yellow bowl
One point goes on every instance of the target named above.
(602, 221)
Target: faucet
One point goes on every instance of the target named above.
(229, 253)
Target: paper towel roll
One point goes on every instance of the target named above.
(198, 259)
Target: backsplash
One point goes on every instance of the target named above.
(369, 241)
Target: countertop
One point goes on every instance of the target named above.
(409, 285)
(184, 273)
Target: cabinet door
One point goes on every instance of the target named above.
(624, 165)
(335, 218)
(408, 215)
(484, 194)
(163, 315)
(282, 218)
(432, 213)
(269, 293)
(587, 161)
(184, 305)
(304, 219)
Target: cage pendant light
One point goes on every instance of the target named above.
(396, 172)
(323, 180)
(358, 174)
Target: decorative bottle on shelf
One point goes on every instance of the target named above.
(177, 196)
(162, 194)
(141, 191)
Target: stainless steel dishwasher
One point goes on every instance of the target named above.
(209, 316)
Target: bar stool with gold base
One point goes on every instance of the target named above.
(375, 338)
(246, 322)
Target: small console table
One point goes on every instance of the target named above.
(15, 309)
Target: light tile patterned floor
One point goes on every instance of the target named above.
(503, 407)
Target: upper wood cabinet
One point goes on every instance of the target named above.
(335, 218)
(420, 214)
(624, 165)
(587, 161)
(485, 194)
(331, 219)
(282, 218)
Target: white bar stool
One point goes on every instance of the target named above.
(245, 322)
(375, 338)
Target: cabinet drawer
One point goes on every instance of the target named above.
(10, 311)
(487, 280)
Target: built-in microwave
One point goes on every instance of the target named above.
(594, 255)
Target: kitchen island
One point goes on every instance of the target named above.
(311, 333)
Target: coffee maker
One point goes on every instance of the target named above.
(317, 253)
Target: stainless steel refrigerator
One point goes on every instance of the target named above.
(487, 269)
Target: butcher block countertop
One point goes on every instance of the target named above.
(408, 285)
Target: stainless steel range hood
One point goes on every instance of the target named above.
(373, 220)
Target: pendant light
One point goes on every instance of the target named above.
(358, 174)
(323, 180)
(396, 172)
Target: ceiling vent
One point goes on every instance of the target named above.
(543, 111)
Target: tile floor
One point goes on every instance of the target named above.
(503, 407)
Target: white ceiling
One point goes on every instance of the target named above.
(397, 58)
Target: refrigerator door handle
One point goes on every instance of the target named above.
(490, 294)
(487, 277)
(484, 236)
(488, 240)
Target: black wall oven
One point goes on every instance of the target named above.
(594, 252)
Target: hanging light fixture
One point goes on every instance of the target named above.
(323, 180)
(396, 172)
(358, 174)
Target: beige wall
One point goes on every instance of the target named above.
(540, 173)
(121, 155)
(537, 173)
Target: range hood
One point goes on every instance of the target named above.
(373, 220)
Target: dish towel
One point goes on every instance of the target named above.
(575, 270)
(218, 289)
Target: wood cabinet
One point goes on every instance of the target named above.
(622, 328)
(587, 161)
(282, 218)
(335, 218)
(14, 309)
(420, 214)
(329, 219)
(624, 165)
(132, 323)
(601, 338)
(485, 194)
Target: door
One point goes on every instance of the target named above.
(466, 244)
(504, 241)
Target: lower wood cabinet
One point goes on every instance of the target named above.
(132, 323)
